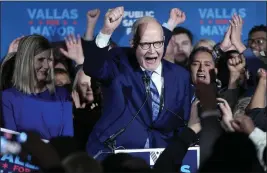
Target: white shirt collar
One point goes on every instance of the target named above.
(158, 69)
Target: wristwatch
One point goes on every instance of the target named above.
(217, 52)
(78, 67)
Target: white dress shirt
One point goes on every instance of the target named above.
(258, 137)
(157, 78)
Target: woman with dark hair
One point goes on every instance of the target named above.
(34, 102)
(6, 71)
(7, 65)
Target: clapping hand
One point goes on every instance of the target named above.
(226, 43)
(232, 38)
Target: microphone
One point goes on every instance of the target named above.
(110, 142)
(146, 81)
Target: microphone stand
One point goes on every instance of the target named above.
(111, 141)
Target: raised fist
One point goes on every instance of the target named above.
(92, 16)
(262, 73)
(176, 17)
(236, 64)
(112, 20)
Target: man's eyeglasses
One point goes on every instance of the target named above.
(258, 41)
(147, 45)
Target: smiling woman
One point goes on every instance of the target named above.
(34, 103)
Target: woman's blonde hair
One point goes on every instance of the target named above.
(24, 77)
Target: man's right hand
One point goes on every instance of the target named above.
(112, 20)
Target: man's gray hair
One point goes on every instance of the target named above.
(135, 27)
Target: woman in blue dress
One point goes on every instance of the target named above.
(34, 103)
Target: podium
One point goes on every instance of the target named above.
(190, 162)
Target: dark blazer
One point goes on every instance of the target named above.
(124, 93)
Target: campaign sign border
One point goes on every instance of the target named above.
(159, 150)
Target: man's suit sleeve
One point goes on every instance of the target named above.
(98, 62)
(188, 97)
(258, 116)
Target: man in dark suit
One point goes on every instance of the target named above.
(159, 102)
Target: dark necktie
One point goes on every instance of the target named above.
(155, 97)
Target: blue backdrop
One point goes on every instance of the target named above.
(56, 19)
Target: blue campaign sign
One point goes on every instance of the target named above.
(12, 163)
(190, 162)
(55, 20)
